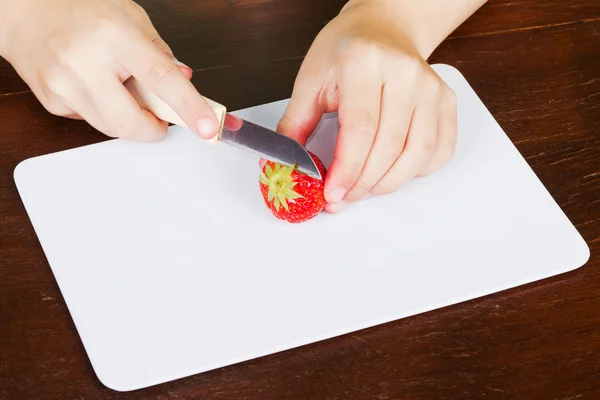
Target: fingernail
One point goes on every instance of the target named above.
(337, 194)
(337, 207)
(187, 71)
(206, 127)
(180, 64)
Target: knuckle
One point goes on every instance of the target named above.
(55, 108)
(139, 9)
(160, 71)
(287, 126)
(411, 67)
(161, 45)
(136, 11)
(124, 128)
(66, 51)
(103, 28)
(57, 85)
(426, 172)
(361, 187)
(364, 124)
(434, 84)
(428, 145)
(352, 173)
(362, 50)
(451, 99)
(390, 183)
(450, 104)
(395, 142)
(75, 51)
(349, 167)
(284, 124)
(363, 184)
(383, 189)
(452, 138)
(447, 152)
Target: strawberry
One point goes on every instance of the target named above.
(291, 195)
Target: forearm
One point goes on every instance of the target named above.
(9, 12)
(428, 22)
(5, 6)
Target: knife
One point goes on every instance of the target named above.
(234, 131)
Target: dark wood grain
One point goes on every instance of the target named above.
(535, 64)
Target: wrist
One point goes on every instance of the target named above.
(401, 14)
(426, 22)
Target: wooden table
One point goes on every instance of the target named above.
(535, 64)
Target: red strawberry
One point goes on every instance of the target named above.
(291, 195)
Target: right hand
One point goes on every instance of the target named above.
(76, 54)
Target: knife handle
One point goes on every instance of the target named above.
(151, 102)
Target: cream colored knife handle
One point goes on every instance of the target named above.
(151, 102)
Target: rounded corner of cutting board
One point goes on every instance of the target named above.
(586, 254)
(115, 385)
(20, 170)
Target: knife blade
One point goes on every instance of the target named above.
(234, 131)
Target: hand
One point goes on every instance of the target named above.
(76, 54)
(397, 117)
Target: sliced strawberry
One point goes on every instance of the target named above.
(291, 195)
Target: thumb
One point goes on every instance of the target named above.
(302, 114)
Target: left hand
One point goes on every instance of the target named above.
(397, 117)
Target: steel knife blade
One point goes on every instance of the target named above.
(267, 144)
(236, 132)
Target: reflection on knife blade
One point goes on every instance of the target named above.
(267, 144)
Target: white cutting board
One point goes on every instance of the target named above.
(171, 265)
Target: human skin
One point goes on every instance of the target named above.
(398, 119)
(76, 54)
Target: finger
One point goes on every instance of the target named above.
(185, 70)
(447, 134)
(142, 19)
(70, 99)
(162, 46)
(122, 115)
(420, 147)
(84, 109)
(358, 115)
(54, 104)
(159, 74)
(396, 111)
(304, 110)
(74, 115)
(58, 108)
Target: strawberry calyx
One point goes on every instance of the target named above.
(280, 183)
